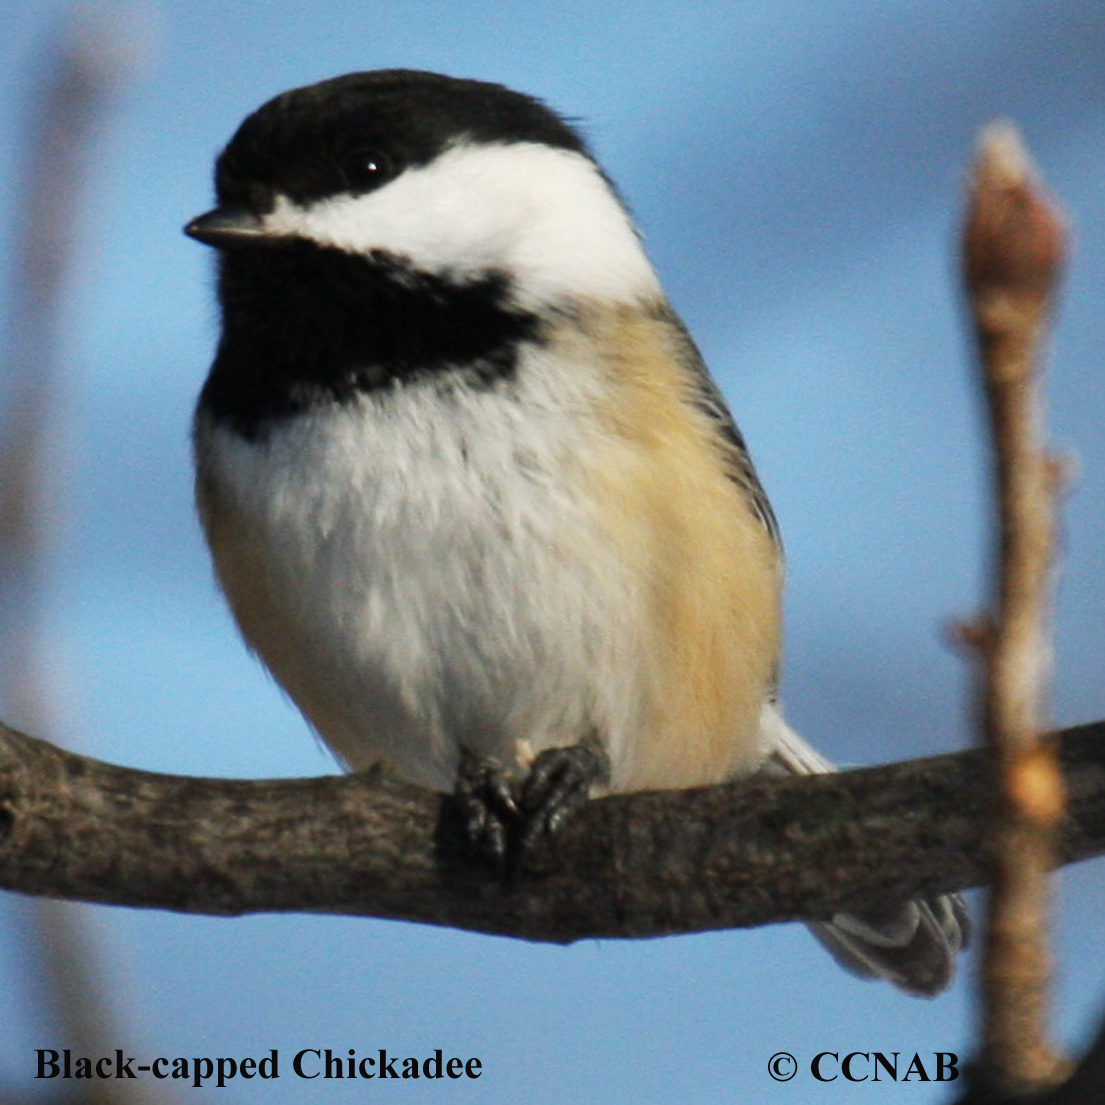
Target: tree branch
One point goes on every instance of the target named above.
(747, 853)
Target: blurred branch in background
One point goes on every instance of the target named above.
(82, 71)
(1014, 249)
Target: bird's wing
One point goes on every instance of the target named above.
(914, 944)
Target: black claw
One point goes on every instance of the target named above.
(505, 828)
(558, 784)
(487, 807)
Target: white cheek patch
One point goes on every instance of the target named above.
(544, 216)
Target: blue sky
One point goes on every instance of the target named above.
(797, 170)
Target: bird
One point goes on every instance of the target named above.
(470, 491)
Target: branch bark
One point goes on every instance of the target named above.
(747, 853)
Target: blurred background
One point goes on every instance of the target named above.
(797, 169)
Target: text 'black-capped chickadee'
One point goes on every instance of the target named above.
(469, 489)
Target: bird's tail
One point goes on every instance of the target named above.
(913, 945)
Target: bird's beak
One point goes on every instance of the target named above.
(229, 228)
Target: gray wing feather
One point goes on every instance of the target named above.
(913, 945)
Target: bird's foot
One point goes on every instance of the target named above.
(488, 808)
(505, 825)
(558, 784)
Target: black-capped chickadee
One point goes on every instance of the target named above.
(470, 491)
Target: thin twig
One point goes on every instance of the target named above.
(1014, 248)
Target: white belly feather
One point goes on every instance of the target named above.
(421, 570)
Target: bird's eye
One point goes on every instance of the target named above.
(367, 169)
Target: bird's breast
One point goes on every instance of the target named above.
(422, 568)
(505, 568)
